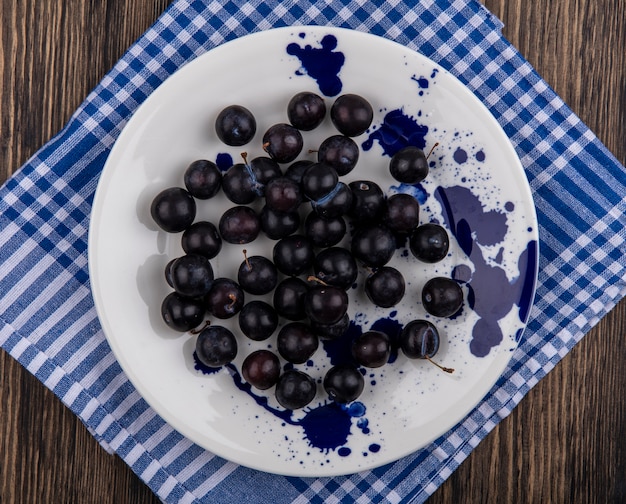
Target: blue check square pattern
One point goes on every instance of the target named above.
(47, 317)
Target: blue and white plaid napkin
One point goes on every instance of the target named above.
(47, 317)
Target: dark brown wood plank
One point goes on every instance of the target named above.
(565, 442)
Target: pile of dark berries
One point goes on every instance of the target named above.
(308, 274)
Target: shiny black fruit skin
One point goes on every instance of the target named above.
(331, 331)
(429, 243)
(371, 349)
(203, 179)
(191, 275)
(343, 383)
(239, 225)
(216, 346)
(442, 297)
(402, 213)
(336, 203)
(258, 320)
(419, 339)
(336, 266)
(293, 254)
(306, 110)
(257, 275)
(351, 114)
(325, 304)
(409, 165)
(282, 142)
(368, 202)
(225, 298)
(374, 246)
(385, 287)
(296, 342)
(182, 313)
(324, 232)
(261, 369)
(289, 297)
(318, 181)
(277, 225)
(235, 125)
(202, 238)
(173, 209)
(340, 152)
(295, 389)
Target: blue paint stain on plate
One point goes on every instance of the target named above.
(398, 130)
(322, 63)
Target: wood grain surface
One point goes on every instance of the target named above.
(566, 440)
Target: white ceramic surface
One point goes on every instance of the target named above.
(406, 404)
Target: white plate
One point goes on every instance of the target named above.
(476, 188)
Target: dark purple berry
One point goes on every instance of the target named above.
(344, 383)
(340, 152)
(419, 339)
(306, 111)
(442, 297)
(235, 125)
(239, 225)
(225, 298)
(216, 346)
(202, 238)
(173, 209)
(191, 275)
(409, 165)
(429, 243)
(374, 246)
(282, 142)
(351, 114)
(402, 213)
(296, 342)
(295, 389)
(371, 349)
(385, 287)
(261, 369)
(258, 320)
(203, 179)
(182, 313)
(289, 297)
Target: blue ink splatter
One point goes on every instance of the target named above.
(198, 366)
(327, 427)
(397, 131)
(322, 64)
(480, 156)
(224, 161)
(416, 190)
(491, 295)
(460, 156)
(422, 82)
(374, 448)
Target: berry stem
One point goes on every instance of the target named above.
(444, 369)
(245, 256)
(312, 278)
(199, 329)
(432, 149)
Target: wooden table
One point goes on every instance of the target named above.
(565, 442)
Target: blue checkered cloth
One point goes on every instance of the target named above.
(47, 316)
